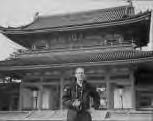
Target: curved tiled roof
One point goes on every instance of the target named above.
(80, 18)
(75, 19)
(122, 21)
(48, 60)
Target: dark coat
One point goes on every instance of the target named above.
(73, 92)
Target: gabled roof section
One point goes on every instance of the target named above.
(80, 18)
(99, 24)
(76, 19)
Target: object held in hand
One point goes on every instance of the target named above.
(76, 103)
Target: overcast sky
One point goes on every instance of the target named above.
(21, 12)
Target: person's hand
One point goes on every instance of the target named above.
(96, 107)
(91, 110)
(76, 103)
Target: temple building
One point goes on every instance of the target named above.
(108, 43)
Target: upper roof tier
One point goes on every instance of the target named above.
(81, 18)
(73, 19)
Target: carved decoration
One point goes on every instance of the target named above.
(80, 40)
(41, 44)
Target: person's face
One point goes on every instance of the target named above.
(79, 74)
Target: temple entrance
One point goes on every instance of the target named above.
(9, 93)
(43, 96)
(144, 90)
(50, 97)
(122, 97)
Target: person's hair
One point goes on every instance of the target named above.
(79, 68)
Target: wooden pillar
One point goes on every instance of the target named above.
(20, 97)
(61, 91)
(133, 89)
(41, 93)
(150, 44)
(108, 91)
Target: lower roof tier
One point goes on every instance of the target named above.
(48, 60)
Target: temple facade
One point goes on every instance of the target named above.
(106, 42)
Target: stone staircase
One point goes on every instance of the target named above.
(12, 115)
(130, 115)
(60, 115)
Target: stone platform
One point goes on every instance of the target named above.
(60, 115)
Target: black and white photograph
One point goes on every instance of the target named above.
(76, 60)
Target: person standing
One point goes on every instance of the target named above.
(77, 95)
